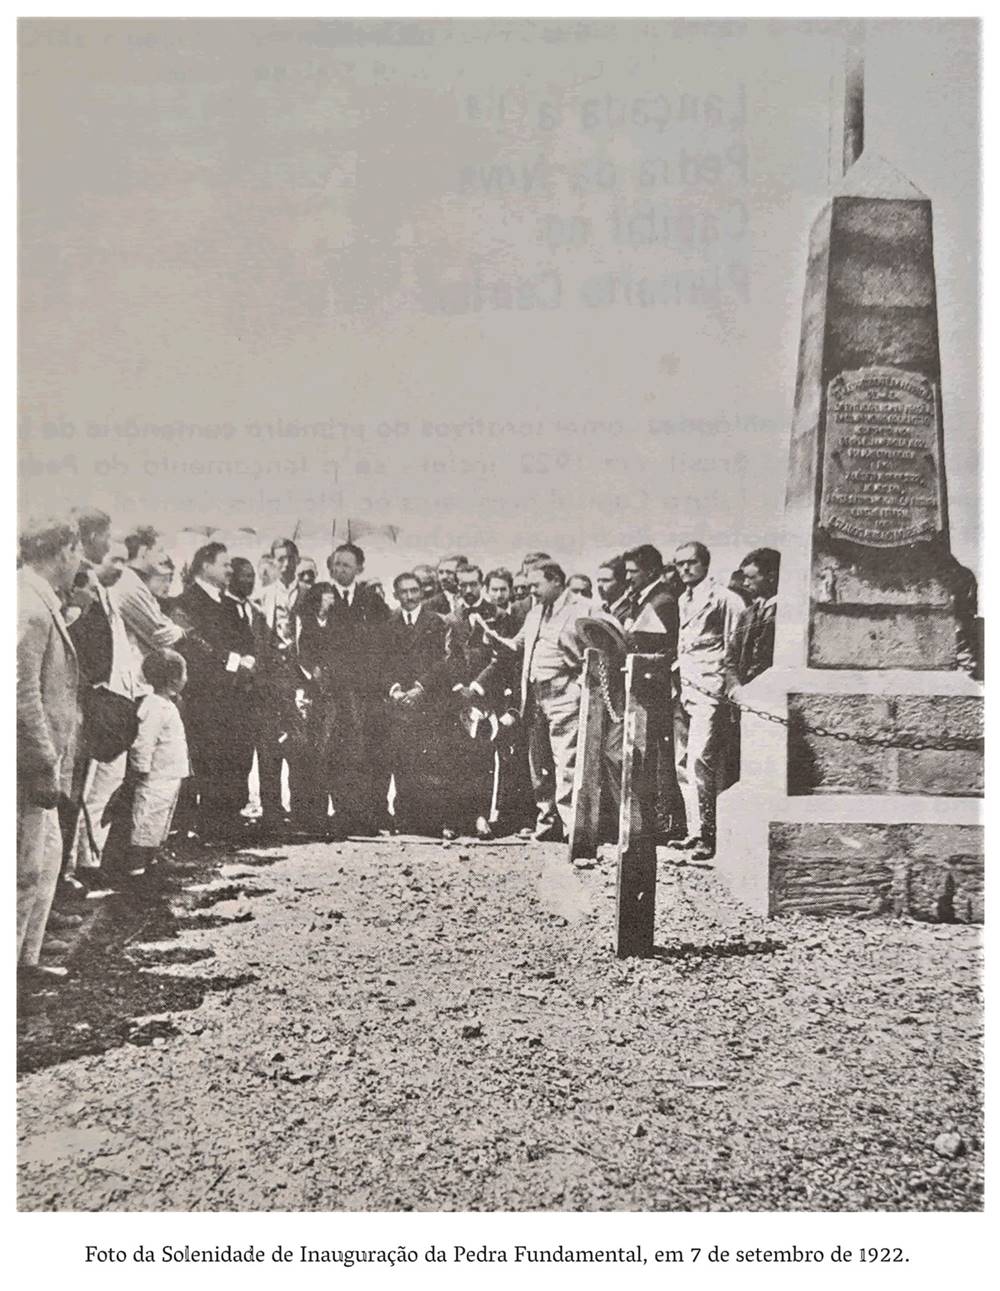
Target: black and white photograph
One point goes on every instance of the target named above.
(500, 667)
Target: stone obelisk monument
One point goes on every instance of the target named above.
(870, 592)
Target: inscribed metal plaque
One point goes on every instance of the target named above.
(881, 474)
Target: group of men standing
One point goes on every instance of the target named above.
(705, 639)
(456, 712)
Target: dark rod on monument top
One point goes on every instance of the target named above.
(854, 96)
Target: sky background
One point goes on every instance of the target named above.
(506, 285)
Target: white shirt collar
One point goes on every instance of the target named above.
(411, 616)
(214, 592)
(347, 592)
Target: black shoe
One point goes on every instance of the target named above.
(705, 851)
(548, 834)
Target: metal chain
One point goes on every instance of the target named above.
(604, 685)
(847, 737)
(952, 745)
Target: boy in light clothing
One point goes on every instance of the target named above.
(158, 760)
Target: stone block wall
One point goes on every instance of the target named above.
(820, 764)
(928, 872)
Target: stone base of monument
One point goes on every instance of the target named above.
(818, 825)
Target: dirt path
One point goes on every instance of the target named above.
(391, 1025)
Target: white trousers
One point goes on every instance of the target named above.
(39, 858)
(699, 725)
(100, 782)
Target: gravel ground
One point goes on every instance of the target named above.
(404, 1025)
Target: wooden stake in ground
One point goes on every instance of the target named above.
(635, 910)
(585, 821)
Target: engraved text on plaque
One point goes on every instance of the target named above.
(881, 475)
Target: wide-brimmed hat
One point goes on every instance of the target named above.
(604, 634)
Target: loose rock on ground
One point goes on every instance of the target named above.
(388, 1025)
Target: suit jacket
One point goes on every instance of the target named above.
(751, 650)
(415, 656)
(708, 619)
(213, 633)
(493, 665)
(355, 635)
(253, 638)
(651, 624)
(466, 647)
(47, 681)
(566, 609)
(146, 624)
(93, 641)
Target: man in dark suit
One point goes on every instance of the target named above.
(751, 649)
(220, 674)
(415, 680)
(651, 626)
(447, 596)
(465, 725)
(355, 627)
(465, 643)
(514, 796)
(251, 642)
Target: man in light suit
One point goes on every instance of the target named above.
(709, 614)
(551, 661)
(47, 721)
(105, 659)
(277, 680)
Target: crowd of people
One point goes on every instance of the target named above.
(143, 715)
